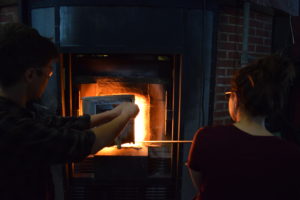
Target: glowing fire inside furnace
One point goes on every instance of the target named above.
(110, 87)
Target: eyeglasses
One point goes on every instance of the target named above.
(42, 72)
(50, 74)
(228, 94)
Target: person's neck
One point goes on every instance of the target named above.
(252, 125)
(15, 93)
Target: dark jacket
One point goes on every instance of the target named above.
(30, 143)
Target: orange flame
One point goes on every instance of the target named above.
(141, 122)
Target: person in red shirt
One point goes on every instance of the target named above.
(243, 160)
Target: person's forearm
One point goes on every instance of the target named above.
(102, 118)
(107, 132)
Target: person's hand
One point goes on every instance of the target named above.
(128, 108)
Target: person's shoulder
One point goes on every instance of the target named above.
(290, 154)
(213, 130)
(284, 149)
(8, 108)
(4, 103)
(294, 148)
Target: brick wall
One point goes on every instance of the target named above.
(229, 49)
(8, 14)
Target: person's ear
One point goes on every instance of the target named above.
(30, 74)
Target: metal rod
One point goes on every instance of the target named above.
(167, 141)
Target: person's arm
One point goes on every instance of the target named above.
(102, 118)
(38, 142)
(107, 132)
(84, 122)
(196, 177)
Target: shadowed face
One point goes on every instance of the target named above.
(40, 80)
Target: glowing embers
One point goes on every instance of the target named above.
(126, 150)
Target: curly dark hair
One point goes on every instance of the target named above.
(262, 86)
(22, 47)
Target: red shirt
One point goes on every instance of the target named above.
(239, 166)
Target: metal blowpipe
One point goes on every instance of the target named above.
(168, 141)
